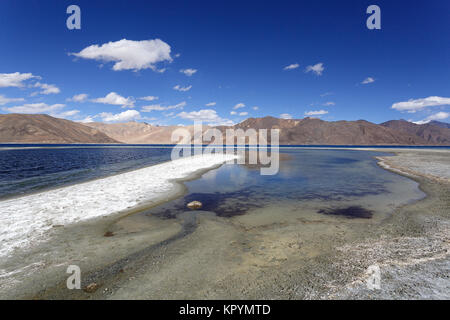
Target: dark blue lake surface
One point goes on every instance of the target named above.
(35, 169)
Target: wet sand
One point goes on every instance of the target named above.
(260, 255)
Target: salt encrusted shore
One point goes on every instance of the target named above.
(431, 164)
(413, 251)
(24, 221)
(309, 257)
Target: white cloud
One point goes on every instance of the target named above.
(368, 80)
(153, 107)
(87, 119)
(70, 113)
(82, 97)
(129, 54)
(239, 105)
(65, 114)
(285, 116)
(47, 88)
(35, 108)
(291, 66)
(180, 105)
(127, 115)
(158, 107)
(255, 108)
(149, 98)
(4, 100)
(182, 89)
(437, 116)
(329, 103)
(15, 79)
(115, 99)
(206, 115)
(419, 104)
(189, 72)
(317, 68)
(326, 94)
(316, 113)
(233, 113)
(211, 104)
(243, 113)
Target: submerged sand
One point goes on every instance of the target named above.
(259, 255)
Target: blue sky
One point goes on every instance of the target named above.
(239, 50)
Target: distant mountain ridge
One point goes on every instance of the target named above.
(42, 128)
(138, 132)
(440, 124)
(430, 133)
(313, 131)
(308, 131)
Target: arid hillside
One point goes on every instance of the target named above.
(42, 128)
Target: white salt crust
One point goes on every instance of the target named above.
(25, 221)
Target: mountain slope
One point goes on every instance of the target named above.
(310, 131)
(41, 128)
(429, 132)
(440, 124)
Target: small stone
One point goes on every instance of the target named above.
(194, 205)
(108, 234)
(92, 287)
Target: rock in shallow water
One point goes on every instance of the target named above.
(194, 205)
(91, 287)
(349, 212)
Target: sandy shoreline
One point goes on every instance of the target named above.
(413, 254)
(413, 163)
(204, 256)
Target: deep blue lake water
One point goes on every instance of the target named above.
(35, 169)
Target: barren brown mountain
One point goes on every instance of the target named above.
(312, 131)
(41, 128)
(307, 131)
(433, 132)
(440, 124)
